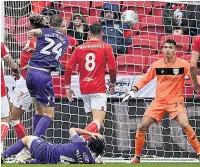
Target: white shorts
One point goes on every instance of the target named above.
(97, 101)
(20, 97)
(5, 110)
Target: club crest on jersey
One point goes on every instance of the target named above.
(176, 71)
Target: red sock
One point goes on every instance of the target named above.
(4, 130)
(94, 126)
(20, 130)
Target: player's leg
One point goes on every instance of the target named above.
(15, 148)
(154, 113)
(98, 104)
(4, 117)
(182, 118)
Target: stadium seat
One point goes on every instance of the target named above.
(130, 64)
(142, 8)
(23, 25)
(59, 86)
(91, 19)
(158, 8)
(72, 43)
(152, 25)
(9, 23)
(187, 57)
(188, 89)
(38, 6)
(96, 8)
(182, 42)
(144, 45)
(69, 7)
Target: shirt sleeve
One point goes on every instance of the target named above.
(111, 64)
(187, 70)
(70, 66)
(77, 139)
(196, 46)
(146, 78)
(4, 50)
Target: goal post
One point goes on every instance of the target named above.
(165, 142)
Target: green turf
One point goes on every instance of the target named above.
(112, 165)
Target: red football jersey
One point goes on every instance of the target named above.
(26, 54)
(4, 53)
(196, 46)
(92, 58)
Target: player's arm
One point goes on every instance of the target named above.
(34, 33)
(75, 131)
(111, 65)
(69, 68)
(193, 66)
(141, 83)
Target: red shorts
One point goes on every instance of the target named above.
(158, 110)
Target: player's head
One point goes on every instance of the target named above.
(169, 48)
(38, 21)
(95, 30)
(55, 21)
(97, 146)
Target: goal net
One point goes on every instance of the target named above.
(164, 141)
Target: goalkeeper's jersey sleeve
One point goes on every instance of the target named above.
(170, 79)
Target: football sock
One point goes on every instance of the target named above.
(36, 120)
(139, 142)
(13, 149)
(42, 125)
(4, 130)
(20, 130)
(192, 138)
(94, 126)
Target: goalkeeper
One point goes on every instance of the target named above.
(170, 72)
(76, 152)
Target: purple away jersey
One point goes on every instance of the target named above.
(49, 48)
(75, 152)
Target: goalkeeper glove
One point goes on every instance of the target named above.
(130, 94)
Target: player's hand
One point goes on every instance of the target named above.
(197, 87)
(16, 76)
(70, 94)
(30, 34)
(130, 94)
(97, 135)
(111, 88)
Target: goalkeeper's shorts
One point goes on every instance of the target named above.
(158, 110)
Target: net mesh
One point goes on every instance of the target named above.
(163, 140)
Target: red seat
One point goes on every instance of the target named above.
(70, 7)
(158, 8)
(142, 8)
(21, 38)
(144, 45)
(133, 31)
(182, 42)
(59, 86)
(92, 19)
(152, 25)
(97, 7)
(9, 23)
(72, 43)
(187, 57)
(130, 64)
(23, 25)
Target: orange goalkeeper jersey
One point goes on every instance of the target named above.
(170, 79)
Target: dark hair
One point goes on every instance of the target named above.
(55, 21)
(96, 28)
(177, 28)
(97, 146)
(170, 41)
(38, 21)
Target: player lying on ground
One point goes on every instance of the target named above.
(170, 72)
(4, 99)
(92, 58)
(76, 152)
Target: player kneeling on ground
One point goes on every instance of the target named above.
(76, 152)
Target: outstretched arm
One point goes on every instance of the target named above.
(193, 66)
(34, 33)
(74, 131)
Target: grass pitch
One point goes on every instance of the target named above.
(110, 165)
